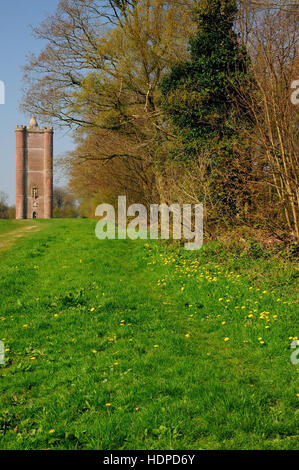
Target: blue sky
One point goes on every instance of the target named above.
(16, 41)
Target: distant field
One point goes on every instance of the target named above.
(141, 345)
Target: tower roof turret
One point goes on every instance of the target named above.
(33, 123)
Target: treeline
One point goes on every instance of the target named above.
(65, 204)
(6, 211)
(179, 102)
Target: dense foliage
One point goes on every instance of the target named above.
(198, 94)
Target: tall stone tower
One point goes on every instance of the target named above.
(34, 169)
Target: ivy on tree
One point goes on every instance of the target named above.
(198, 95)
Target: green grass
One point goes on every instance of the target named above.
(9, 225)
(194, 390)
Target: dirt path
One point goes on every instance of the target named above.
(9, 238)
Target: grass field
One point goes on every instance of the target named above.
(142, 345)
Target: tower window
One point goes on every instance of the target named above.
(34, 192)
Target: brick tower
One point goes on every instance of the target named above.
(34, 169)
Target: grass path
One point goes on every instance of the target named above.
(10, 231)
(136, 345)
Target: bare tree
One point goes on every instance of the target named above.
(4, 208)
(64, 203)
(272, 39)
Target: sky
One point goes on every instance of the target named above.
(16, 42)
